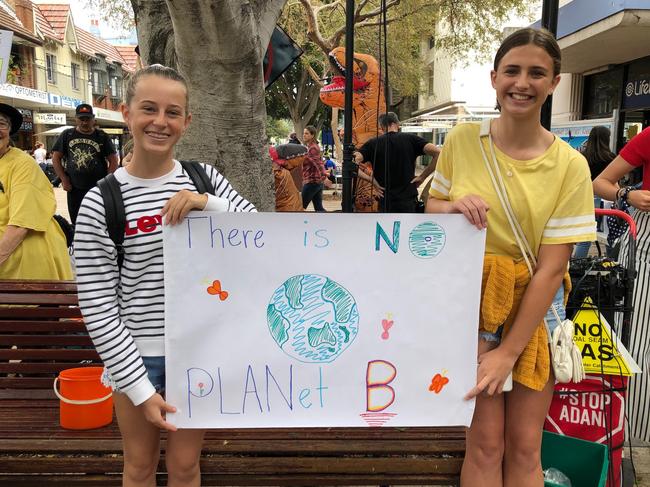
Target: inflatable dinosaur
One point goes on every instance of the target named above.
(285, 158)
(368, 103)
(368, 100)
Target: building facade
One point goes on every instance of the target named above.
(606, 68)
(452, 91)
(55, 66)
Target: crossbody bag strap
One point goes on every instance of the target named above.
(502, 195)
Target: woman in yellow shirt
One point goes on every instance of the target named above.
(32, 245)
(549, 187)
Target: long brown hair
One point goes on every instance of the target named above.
(596, 149)
(538, 37)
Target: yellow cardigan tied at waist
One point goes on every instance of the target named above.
(504, 283)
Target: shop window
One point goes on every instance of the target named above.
(116, 87)
(602, 93)
(74, 75)
(98, 84)
(50, 61)
(430, 79)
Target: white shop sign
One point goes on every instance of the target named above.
(50, 118)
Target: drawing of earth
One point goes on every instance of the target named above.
(312, 318)
(427, 240)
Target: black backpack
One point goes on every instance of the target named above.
(114, 204)
(66, 228)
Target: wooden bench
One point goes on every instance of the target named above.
(42, 333)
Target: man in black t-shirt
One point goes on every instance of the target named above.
(393, 157)
(89, 154)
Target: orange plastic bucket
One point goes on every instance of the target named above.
(85, 403)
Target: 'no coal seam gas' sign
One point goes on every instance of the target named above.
(602, 351)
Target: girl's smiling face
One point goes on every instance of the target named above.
(523, 80)
(157, 114)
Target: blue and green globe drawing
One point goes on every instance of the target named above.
(427, 240)
(312, 318)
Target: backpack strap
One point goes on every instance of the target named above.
(115, 213)
(199, 177)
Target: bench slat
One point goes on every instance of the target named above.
(48, 354)
(40, 299)
(72, 325)
(39, 313)
(278, 447)
(215, 480)
(46, 340)
(37, 368)
(37, 286)
(251, 465)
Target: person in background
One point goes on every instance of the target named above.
(89, 154)
(293, 139)
(635, 154)
(330, 168)
(392, 156)
(596, 151)
(40, 153)
(32, 244)
(313, 171)
(285, 158)
(550, 192)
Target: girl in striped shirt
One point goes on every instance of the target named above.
(124, 307)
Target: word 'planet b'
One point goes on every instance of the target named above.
(312, 318)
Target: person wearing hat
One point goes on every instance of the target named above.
(89, 155)
(32, 244)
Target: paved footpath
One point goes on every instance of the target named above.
(332, 202)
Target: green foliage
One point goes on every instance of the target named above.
(468, 30)
(278, 129)
(117, 13)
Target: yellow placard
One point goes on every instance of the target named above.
(602, 351)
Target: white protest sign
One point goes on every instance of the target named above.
(283, 320)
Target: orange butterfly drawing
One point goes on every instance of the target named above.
(215, 289)
(438, 382)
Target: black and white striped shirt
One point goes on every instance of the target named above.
(124, 313)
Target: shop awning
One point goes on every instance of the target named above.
(58, 130)
(55, 131)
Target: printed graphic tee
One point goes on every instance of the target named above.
(85, 156)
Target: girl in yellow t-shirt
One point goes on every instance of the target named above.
(549, 188)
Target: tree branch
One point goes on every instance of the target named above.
(376, 12)
(392, 19)
(313, 32)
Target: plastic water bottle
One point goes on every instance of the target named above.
(556, 477)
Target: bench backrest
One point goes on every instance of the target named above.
(41, 333)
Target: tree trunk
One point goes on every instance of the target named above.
(155, 32)
(301, 97)
(219, 46)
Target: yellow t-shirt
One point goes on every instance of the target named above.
(27, 200)
(551, 195)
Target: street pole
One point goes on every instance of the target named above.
(549, 22)
(348, 148)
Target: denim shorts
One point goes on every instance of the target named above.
(551, 320)
(155, 372)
